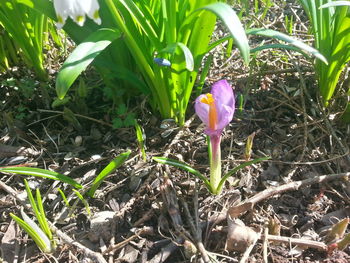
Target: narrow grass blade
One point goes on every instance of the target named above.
(65, 200)
(81, 57)
(232, 22)
(87, 207)
(140, 139)
(237, 168)
(41, 215)
(110, 168)
(31, 198)
(145, 24)
(203, 76)
(33, 231)
(292, 41)
(41, 173)
(38, 209)
(345, 242)
(42, 6)
(184, 167)
(278, 46)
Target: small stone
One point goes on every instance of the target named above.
(78, 140)
(101, 225)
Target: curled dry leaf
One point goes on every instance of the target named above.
(239, 236)
(288, 221)
(274, 226)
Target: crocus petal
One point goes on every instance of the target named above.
(226, 115)
(225, 102)
(202, 110)
(223, 93)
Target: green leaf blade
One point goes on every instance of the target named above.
(292, 41)
(183, 166)
(234, 25)
(83, 56)
(110, 168)
(237, 168)
(171, 48)
(41, 173)
(335, 3)
(33, 231)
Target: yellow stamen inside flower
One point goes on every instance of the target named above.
(213, 116)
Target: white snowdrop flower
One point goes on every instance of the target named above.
(76, 9)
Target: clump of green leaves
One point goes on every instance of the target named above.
(26, 27)
(331, 28)
(157, 47)
(123, 118)
(41, 234)
(141, 137)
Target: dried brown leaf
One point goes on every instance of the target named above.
(8, 243)
(239, 236)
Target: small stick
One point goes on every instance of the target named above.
(144, 230)
(302, 98)
(166, 251)
(97, 257)
(271, 72)
(10, 191)
(265, 243)
(79, 116)
(298, 241)
(249, 249)
(147, 216)
(195, 233)
(248, 204)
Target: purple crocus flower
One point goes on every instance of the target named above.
(216, 110)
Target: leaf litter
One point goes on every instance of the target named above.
(283, 210)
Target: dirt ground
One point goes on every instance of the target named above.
(147, 209)
(280, 210)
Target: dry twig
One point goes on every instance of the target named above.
(95, 256)
(248, 204)
(298, 241)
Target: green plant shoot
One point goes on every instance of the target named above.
(41, 235)
(110, 168)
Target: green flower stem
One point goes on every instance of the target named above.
(215, 163)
